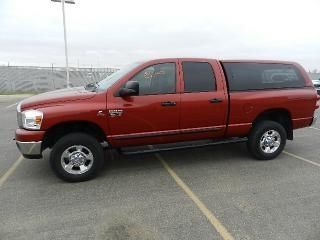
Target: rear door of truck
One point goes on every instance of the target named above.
(204, 100)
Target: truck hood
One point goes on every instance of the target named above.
(57, 96)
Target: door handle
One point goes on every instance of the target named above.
(168, 104)
(215, 100)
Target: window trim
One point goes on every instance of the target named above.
(153, 94)
(214, 76)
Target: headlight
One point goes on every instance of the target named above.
(31, 119)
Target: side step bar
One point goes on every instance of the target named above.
(154, 150)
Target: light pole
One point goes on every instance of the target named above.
(65, 35)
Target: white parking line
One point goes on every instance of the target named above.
(302, 159)
(206, 212)
(315, 128)
(11, 105)
(10, 171)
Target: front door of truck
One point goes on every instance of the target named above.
(204, 101)
(153, 115)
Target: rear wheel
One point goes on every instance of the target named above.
(267, 140)
(76, 157)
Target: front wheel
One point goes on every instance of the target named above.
(76, 157)
(267, 140)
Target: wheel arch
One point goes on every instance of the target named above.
(280, 115)
(54, 133)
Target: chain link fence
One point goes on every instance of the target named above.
(20, 79)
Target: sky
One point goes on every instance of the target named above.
(114, 33)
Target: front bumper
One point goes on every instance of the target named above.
(29, 142)
(30, 149)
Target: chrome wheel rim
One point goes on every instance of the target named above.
(77, 159)
(270, 141)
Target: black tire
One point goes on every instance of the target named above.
(90, 146)
(256, 135)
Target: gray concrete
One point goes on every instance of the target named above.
(135, 198)
(8, 151)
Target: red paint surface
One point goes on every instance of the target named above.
(23, 135)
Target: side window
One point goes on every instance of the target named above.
(157, 79)
(198, 77)
(259, 76)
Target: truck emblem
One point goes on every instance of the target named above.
(115, 112)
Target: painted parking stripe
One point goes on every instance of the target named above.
(11, 170)
(315, 128)
(209, 215)
(11, 105)
(302, 159)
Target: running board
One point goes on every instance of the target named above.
(154, 150)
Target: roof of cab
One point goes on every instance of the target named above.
(222, 60)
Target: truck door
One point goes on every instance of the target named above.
(204, 101)
(153, 115)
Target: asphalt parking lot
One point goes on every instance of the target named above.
(215, 192)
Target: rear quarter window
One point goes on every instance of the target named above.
(259, 76)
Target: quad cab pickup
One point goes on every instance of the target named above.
(168, 101)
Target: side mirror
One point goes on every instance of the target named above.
(90, 86)
(130, 89)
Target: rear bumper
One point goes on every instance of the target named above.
(30, 149)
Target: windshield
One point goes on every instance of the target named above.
(114, 77)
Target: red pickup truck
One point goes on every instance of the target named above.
(167, 101)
